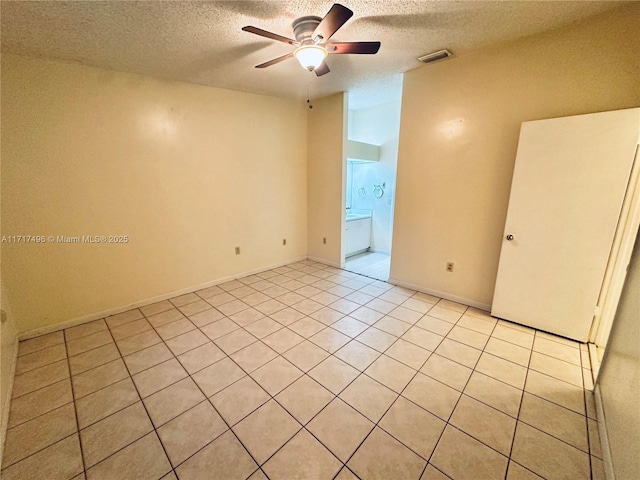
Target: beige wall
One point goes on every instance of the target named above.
(327, 136)
(187, 172)
(458, 137)
(619, 378)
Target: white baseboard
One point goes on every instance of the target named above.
(604, 436)
(325, 262)
(445, 295)
(123, 308)
(357, 252)
(6, 400)
(379, 250)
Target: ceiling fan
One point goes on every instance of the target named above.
(312, 40)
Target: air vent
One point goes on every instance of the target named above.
(435, 56)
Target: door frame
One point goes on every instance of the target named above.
(621, 250)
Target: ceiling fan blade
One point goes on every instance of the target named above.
(272, 36)
(275, 60)
(368, 48)
(323, 69)
(332, 21)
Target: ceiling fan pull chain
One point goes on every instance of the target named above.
(309, 90)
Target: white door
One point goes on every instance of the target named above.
(568, 185)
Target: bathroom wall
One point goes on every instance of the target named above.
(459, 133)
(378, 125)
(186, 172)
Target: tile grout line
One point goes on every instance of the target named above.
(4, 467)
(376, 424)
(447, 422)
(44, 413)
(490, 406)
(154, 430)
(515, 430)
(208, 399)
(40, 350)
(75, 408)
(41, 388)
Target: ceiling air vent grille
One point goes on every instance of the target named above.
(435, 56)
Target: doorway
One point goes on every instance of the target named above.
(372, 158)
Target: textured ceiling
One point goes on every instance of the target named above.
(202, 42)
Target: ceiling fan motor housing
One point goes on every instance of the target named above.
(303, 29)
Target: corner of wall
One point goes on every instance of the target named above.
(8, 357)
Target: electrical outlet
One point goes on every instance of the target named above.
(237, 250)
(449, 266)
(324, 239)
(284, 241)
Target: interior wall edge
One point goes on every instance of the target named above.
(123, 308)
(447, 296)
(604, 436)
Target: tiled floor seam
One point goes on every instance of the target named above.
(40, 349)
(40, 415)
(110, 414)
(146, 411)
(376, 424)
(515, 430)
(75, 406)
(229, 427)
(556, 378)
(4, 467)
(557, 438)
(342, 468)
(120, 324)
(557, 358)
(40, 388)
(447, 422)
(336, 397)
(521, 466)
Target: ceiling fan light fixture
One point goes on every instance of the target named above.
(310, 56)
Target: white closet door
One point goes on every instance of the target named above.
(568, 185)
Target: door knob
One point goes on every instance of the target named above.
(509, 237)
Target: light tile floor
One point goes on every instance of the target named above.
(371, 264)
(302, 372)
